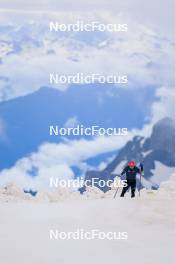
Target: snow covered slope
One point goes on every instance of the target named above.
(149, 222)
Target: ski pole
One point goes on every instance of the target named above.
(118, 175)
(116, 192)
(140, 185)
(141, 174)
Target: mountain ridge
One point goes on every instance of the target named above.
(158, 148)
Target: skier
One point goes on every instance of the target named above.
(131, 171)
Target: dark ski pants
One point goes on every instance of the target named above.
(132, 184)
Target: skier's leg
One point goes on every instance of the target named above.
(133, 188)
(124, 190)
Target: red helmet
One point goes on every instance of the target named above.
(132, 163)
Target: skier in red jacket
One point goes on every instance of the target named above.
(131, 170)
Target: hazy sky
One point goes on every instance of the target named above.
(157, 14)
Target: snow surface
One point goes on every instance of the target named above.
(120, 166)
(160, 172)
(145, 154)
(26, 222)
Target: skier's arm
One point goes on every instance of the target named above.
(123, 171)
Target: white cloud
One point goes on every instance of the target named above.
(165, 105)
(139, 53)
(162, 107)
(71, 122)
(55, 160)
(20, 176)
(151, 13)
